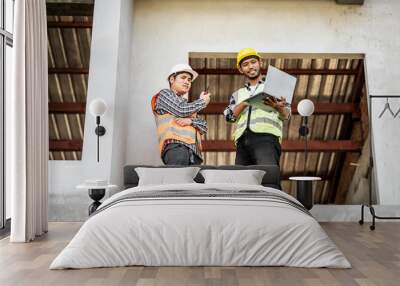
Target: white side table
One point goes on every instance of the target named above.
(304, 190)
(96, 193)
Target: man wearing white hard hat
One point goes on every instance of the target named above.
(178, 127)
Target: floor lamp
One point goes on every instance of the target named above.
(305, 109)
(304, 184)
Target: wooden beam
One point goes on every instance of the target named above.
(322, 146)
(80, 25)
(228, 146)
(233, 71)
(364, 119)
(332, 108)
(214, 108)
(65, 145)
(291, 146)
(350, 2)
(320, 108)
(68, 70)
(218, 108)
(359, 84)
(346, 176)
(69, 9)
(67, 107)
(218, 146)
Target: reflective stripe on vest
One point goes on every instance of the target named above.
(261, 121)
(167, 129)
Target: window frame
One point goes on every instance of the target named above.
(6, 39)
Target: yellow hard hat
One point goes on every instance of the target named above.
(244, 53)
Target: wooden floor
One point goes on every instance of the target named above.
(375, 256)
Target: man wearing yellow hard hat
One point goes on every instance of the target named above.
(258, 133)
(178, 126)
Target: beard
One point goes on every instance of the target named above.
(253, 76)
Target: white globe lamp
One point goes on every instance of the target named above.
(305, 107)
(97, 108)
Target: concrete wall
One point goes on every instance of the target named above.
(166, 31)
(133, 49)
(122, 93)
(108, 79)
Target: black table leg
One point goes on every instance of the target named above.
(304, 193)
(96, 195)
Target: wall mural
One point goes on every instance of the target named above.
(338, 141)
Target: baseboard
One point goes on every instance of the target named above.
(351, 213)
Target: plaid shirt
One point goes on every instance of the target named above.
(169, 102)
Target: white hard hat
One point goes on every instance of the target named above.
(183, 68)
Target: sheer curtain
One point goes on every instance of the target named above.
(27, 122)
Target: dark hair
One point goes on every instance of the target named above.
(249, 57)
(178, 73)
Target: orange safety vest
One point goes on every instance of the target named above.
(167, 128)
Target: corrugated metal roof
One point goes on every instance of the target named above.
(68, 48)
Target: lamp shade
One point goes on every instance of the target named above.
(97, 107)
(305, 107)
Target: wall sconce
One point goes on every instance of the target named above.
(97, 108)
(305, 109)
